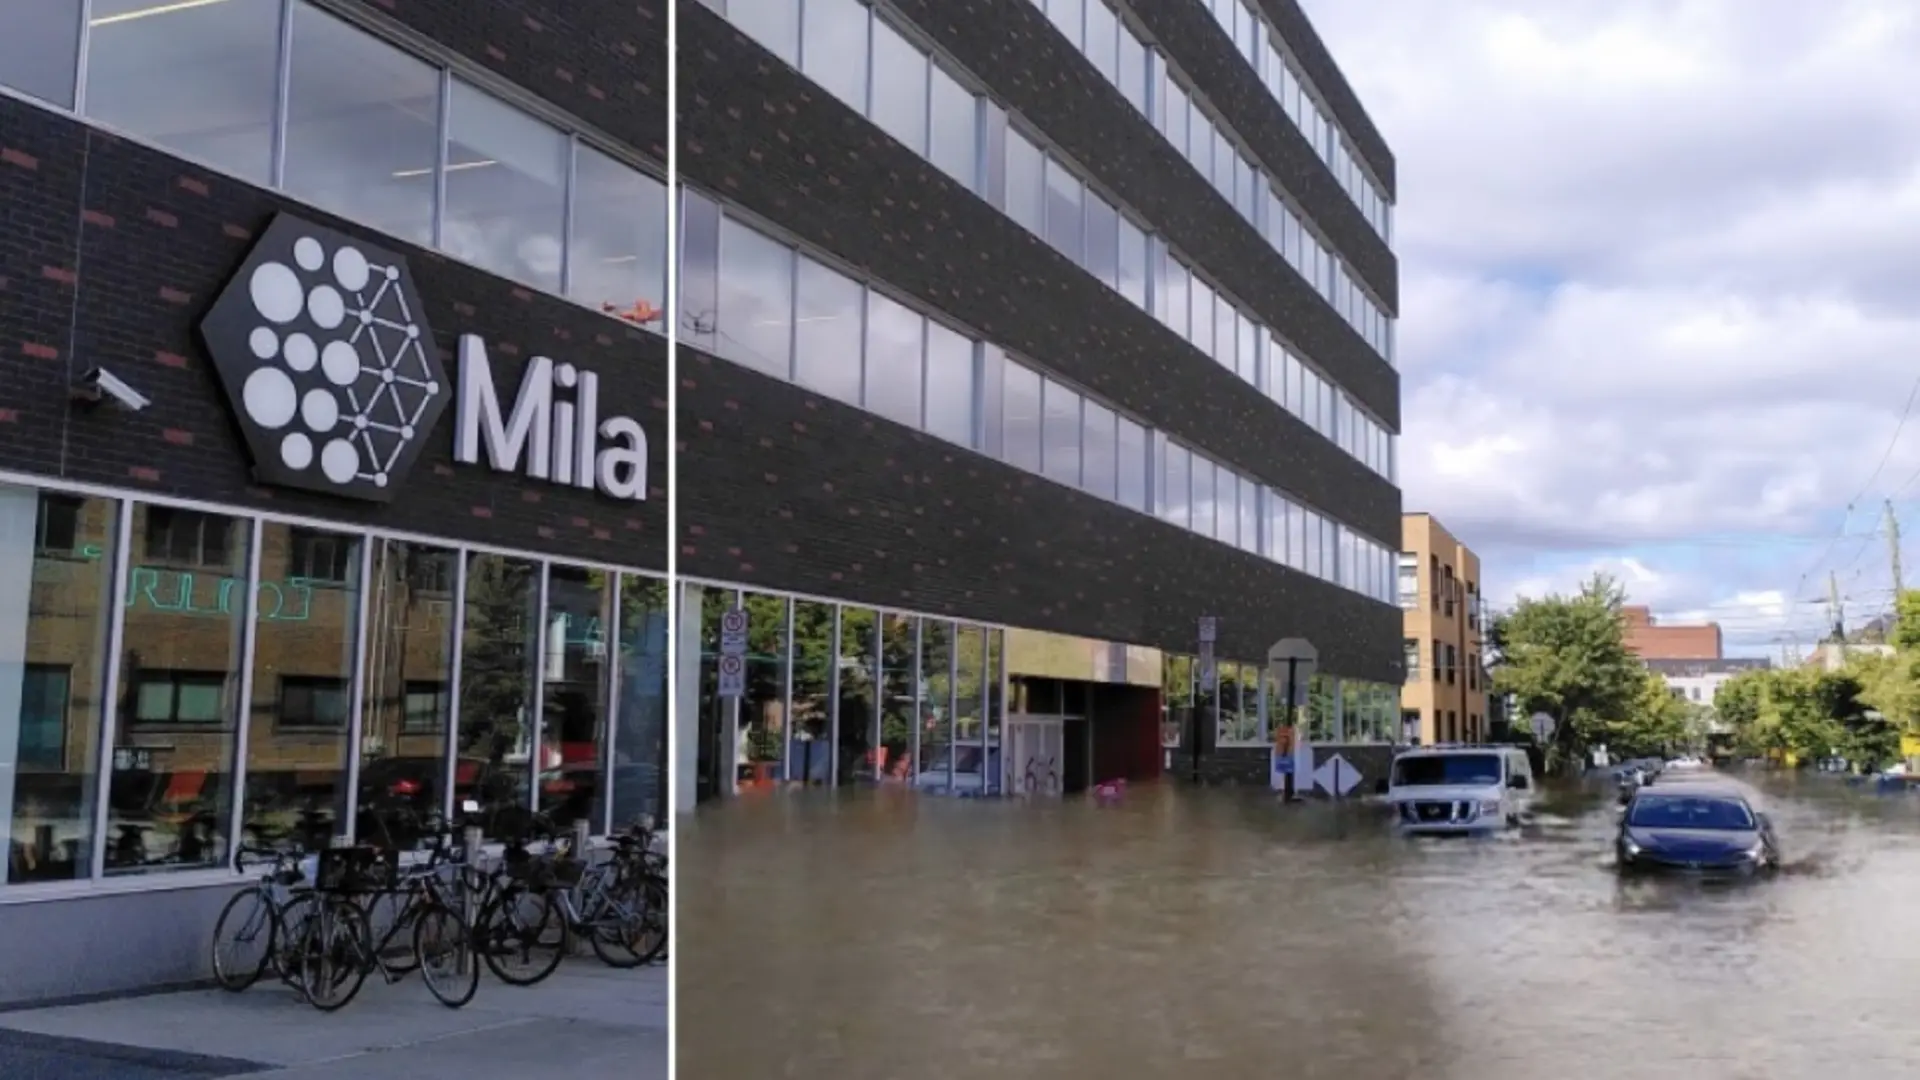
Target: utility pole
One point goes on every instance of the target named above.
(1893, 545)
(1836, 612)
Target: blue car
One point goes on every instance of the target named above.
(1698, 828)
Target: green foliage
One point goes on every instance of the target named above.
(1567, 657)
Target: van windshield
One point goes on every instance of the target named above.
(1475, 770)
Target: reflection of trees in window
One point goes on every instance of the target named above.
(898, 656)
(996, 703)
(408, 687)
(936, 691)
(573, 714)
(496, 680)
(969, 684)
(858, 655)
(763, 724)
(1322, 707)
(1176, 690)
(640, 741)
(814, 652)
(714, 710)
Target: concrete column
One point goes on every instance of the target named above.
(686, 704)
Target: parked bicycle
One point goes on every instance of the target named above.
(270, 914)
(543, 903)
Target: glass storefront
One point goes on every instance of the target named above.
(834, 694)
(1245, 704)
(173, 677)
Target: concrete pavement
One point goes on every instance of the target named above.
(587, 1022)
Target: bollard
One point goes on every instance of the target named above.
(582, 832)
(470, 840)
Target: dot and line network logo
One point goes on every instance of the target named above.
(322, 346)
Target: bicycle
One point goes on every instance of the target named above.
(278, 906)
(339, 950)
(543, 903)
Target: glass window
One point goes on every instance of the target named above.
(1202, 307)
(199, 79)
(896, 340)
(1064, 222)
(899, 87)
(775, 24)
(834, 46)
(950, 394)
(763, 705)
(935, 725)
(305, 640)
(1133, 262)
(1273, 542)
(827, 332)
(1020, 417)
(408, 696)
(899, 659)
(180, 676)
(1176, 486)
(1103, 239)
(499, 659)
(1131, 465)
(755, 326)
(1103, 39)
(814, 656)
(40, 52)
(1226, 335)
(1200, 136)
(640, 732)
(506, 188)
(57, 555)
(575, 687)
(1133, 69)
(1249, 514)
(858, 720)
(1178, 289)
(617, 254)
(367, 147)
(1204, 504)
(1178, 113)
(1099, 466)
(1026, 183)
(956, 129)
(1226, 505)
(1069, 16)
(1061, 430)
(699, 292)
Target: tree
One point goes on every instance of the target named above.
(1567, 657)
(1652, 722)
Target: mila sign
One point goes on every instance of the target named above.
(321, 344)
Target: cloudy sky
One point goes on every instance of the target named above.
(1660, 291)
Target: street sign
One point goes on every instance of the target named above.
(733, 676)
(1297, 650)
(1543, 725)
(1206, 666)
(733, 652)
(1209, 629)
(1337, 776)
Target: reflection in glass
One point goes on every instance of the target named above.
(899, 655)
(1176, 692)
(775, 24)
(506, 189)
(408, 694)
(699, 286)
(956, 128)
(936, 703)
(40, 51)
(809, 752)
(1177, 487)
(1103, 241)
(1061, 430)
(756, 300)
(763, 708)
(895, 365)
(1064, 225)
(199, 79)
(575, 688)
(1323, 708)
(900, 87)
(369, 146)
(969, 700)
(996, 708)
(305, 639)
(498, 653)
(859, 722)
(1020, 416)
(640, 737)
(714, 769)
(1099, 467)
(827, 338)
(1026, 183)
(56, 587)
(179, 689)
(833, 48)
(1131, 464)
(617, 254)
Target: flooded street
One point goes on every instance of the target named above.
(1211, 933)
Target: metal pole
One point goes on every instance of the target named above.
(1292, 665)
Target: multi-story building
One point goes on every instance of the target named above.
(1650, 639)
(1445, 696)
(1013, 345)
(332, 470)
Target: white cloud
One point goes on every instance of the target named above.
(1660, 265)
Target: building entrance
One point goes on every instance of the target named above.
(1037, 765)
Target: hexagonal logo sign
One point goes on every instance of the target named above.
(321, 344)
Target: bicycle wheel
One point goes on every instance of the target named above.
(290, 937)
(444, 954)
(632, 926)
(522, 936)
(337, 954)
(246, 921)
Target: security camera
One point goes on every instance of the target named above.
(98, 384)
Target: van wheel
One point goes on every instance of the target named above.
(1513, 821)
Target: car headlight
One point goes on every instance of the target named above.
(1490, 807)
(1627, 845)
(1757, 853)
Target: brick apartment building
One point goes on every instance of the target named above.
(1070, 318)
(1445, 696)
(1649, 639)
(327, 391)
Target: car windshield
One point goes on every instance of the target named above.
(1689, 812)
(1477, 770)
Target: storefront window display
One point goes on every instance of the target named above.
(261, 663)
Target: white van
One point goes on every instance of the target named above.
(1458, 789)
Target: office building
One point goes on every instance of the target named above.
(1016, 340)
(332, 427)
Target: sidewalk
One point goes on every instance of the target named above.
(587, 1022)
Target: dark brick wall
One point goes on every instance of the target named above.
(112, 252)
(1194, 40)
(757, 132)
(784, 489)
(1325, 74)
(1034, 70)
(604, 61)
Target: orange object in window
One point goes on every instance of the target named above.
(640, 313)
